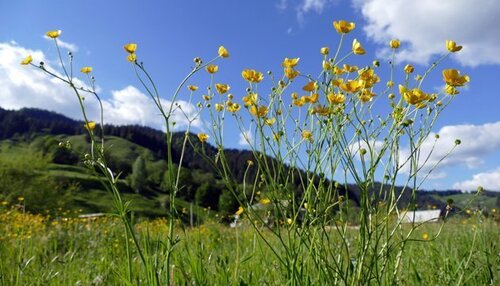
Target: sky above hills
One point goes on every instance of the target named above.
(258, 35)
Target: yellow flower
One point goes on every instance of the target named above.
(357, 49)
(425, 236)
(219, 107)
(90, 125)
(27, 60)
(270, 121)
(313, 98)
(20, 199)
(223, 53)
(351, 86)
(452, 77)
(290, 73)
(86, 70)
(252, 75)
(289, 221)
(321, 110)
(239, 211)
(250, 163)
(206, 97)
(260, 111)
(222, 88)
(250, 99)
(326, 65)
(132, 58)
(265, 201)
(338, 71)
(349, 68)
(451, 90)
(336, 98)
(409, 68)
(299, 102)
(53, 34)
(367, 78)
(343, 27)
(203, 137)
(324, 51)
(394, 43)
(212, 69)
(414, 96)
(452, 46)
(290, 63)
(192, 87)
(310, 86)
(366, 95)
(306, 135)
(130, 48)
(233, 107)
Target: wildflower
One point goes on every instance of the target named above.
(290, 63)
(233, 107)
(86, 70)
(414, 96)
(367, 78)
(222, 88)
(192, 87)
(20, 199)
(321, 110)
(350, 86)
(313, 98)
(299, 102)
(223, 53)
(211, 69)
(265, 201)
(250, 163)
(390, 83)
(349, 68)
(90, 125)
(326, 65)
(336, 98)
(252, 75)
(453, 78)
(132, 58)
(324, 51)
(130, 48)
(203, 137)
(343, 27)
(310, 86)
(290, 73)
(289, 221)
(250, 99)
(206, 97)
(452, 47)
(451, 90)
(53, 34)
(425, 236)
(219, 107)
(338, 71)
(307, 135)
(366, 95)
(239, 211)
(409, 68)
(270, 121)
(394, 43)
(27, 60)
(357, 49)
(260, 111)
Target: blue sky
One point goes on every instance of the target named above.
(258, 35)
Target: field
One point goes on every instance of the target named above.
(67, 250)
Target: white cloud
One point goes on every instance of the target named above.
(24, 86)
(424, 25)
(246, 138)
(477, 142)
(489, 181)
(306, 6)
(63, 44)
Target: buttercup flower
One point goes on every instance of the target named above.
(265, 201)
(310, 86)
(336, 98)
(132, 58)
(239, 211)
(366, 95)
(349, 68)
(252, 75)
(192, 87)
(86, 70)
(321, 110)
(324, 51)
(306, 135)
(414, 96)
(90, 125)
(223, 53)
(130, 48)
(233, 107)
(313, 98)
(27, 60)
(452, 77)
(409, 68)
(451, 90)
(219, 107)
(203, 137)
(394, 43)
(250, 99)
(222, 88)
(290, 63)
(290, 73)
(425, 236)
(452, 46)
(260, 111)
(53, 34)
(357, 49)
(343, 27)
(350, 86)
(270, 121)
(212, 69)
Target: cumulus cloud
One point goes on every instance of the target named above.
(424, 25)
(489, 181)
(63, 44)
(24, 86)
(477, 142)
(246, 138)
